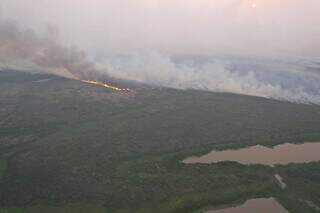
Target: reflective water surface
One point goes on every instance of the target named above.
(282, 154)
(262, 205)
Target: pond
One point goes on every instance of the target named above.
(262, 205)
(282, 154)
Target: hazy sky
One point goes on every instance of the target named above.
(178, 26)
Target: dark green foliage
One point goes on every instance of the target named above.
(66, 142)
(3, 167)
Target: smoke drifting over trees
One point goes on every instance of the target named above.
(139, 40)
(294, 80)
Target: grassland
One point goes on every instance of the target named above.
(70, 147)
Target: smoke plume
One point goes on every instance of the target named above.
(22, 48)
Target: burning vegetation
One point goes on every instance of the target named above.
(45, 53)
(105, 85)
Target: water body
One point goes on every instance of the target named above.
(262, 205)
(282, 154)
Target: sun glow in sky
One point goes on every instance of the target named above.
(251, 26)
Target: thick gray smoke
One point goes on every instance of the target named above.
(22, 48)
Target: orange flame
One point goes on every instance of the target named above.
(105, 85)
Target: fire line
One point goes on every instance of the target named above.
(105, 85)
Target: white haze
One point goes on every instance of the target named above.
(292, 81)
(139, 40)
